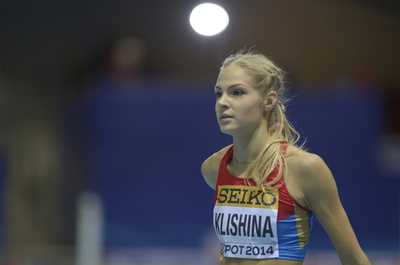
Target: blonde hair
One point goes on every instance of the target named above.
(268, 77)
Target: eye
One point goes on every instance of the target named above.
(218, 94)
(238, 92)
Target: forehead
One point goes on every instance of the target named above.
(233, 74)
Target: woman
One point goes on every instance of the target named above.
(267, 189)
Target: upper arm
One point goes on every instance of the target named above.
(210, 167)
(209, 172)
(322, 197)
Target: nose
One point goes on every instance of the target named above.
(222, 102)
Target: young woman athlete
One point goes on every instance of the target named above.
(267, 188)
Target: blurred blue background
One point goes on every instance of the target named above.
(116, 97)
(147, 148)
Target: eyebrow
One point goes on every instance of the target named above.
(232, 86)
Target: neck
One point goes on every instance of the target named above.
(247, 147)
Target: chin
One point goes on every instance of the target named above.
(226, 130)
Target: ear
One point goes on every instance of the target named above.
(270, 100)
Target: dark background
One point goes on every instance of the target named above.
(65, 129)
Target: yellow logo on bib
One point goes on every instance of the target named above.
(246, 196)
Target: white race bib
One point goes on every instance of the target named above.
(245, 221)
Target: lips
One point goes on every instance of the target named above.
(225, 116)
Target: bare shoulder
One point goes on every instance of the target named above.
(308, 176)
(303, 162)
(210, 167)
(314, 187)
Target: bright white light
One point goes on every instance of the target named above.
(209, 19)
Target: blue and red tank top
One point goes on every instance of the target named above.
(259, 224)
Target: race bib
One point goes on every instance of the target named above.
(245, 220)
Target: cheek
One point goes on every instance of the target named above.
(253, 113)
(254, 108)
(217, 111)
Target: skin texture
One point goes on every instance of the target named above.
(243, 113)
